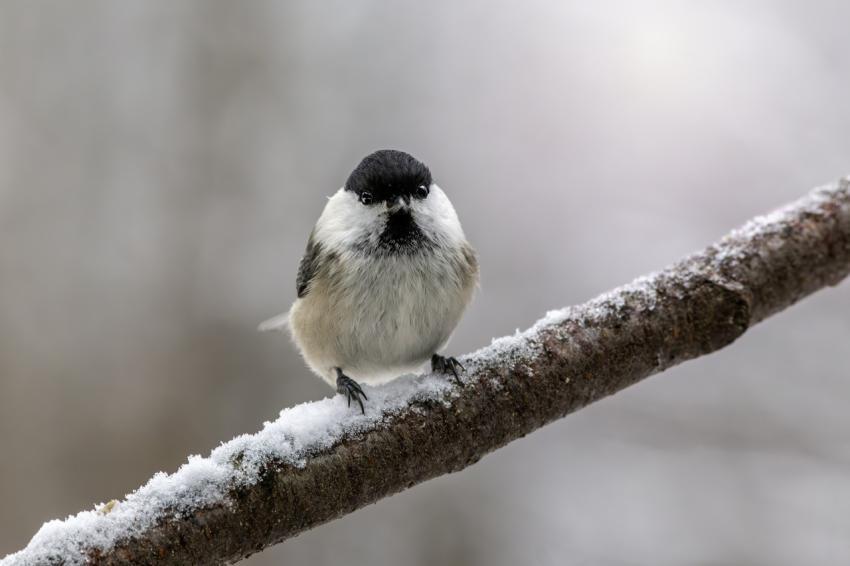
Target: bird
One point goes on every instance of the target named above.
(386, 277)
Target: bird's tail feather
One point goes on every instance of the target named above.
(277, 323)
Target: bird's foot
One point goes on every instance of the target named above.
(350, 388)
(441, 364)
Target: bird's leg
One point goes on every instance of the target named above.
(350, 388)
(441, 364)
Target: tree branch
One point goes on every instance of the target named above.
(321, 460)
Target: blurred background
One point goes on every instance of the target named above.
(161, 164)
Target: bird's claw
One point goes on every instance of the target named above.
(350, 388)
(442, 364)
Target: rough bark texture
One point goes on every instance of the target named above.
(694, 307)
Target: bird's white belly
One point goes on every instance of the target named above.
(378, 321)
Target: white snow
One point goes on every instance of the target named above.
(773, 222)
(508, 350)
(297, 433)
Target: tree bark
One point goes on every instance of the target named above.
(571, 359)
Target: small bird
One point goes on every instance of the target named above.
(385, 278)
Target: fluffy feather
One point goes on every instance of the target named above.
(375, 313)
(386, 275)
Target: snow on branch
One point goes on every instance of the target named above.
(319, 461)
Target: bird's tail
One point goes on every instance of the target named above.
(277, 323)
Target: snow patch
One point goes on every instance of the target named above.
(298, 433)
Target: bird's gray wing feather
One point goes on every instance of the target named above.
(308, 267)
(307, 270)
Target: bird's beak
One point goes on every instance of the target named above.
(404, 198)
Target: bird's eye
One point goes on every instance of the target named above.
(421, 192)
(366, 197)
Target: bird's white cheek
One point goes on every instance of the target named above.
(436, 216)
(345, 222)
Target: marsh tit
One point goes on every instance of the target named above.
(385, 278)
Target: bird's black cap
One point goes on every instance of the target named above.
(388, 174)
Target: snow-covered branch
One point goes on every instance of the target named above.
(321, 460)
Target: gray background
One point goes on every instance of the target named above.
(161, 164)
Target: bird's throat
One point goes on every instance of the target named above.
(401, 234)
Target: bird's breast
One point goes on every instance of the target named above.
(402, 309)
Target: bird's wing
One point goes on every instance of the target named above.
(308, 267)
(306, 272)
